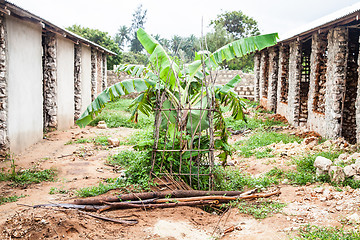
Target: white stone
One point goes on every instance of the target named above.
(322, 165)
(356, 177)
(355, 218)
(350, 170)
(114, 142)
(102, 125)
(337, 174)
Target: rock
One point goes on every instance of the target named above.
(337, 174)
(355, 157)
(102, 125)
(356, 177)
(114, 142)
(309, 140)
(355, 218)
(319, 190)
(322, 165)
(343, 156)
(350, 170)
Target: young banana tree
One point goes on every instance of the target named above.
(181, 87)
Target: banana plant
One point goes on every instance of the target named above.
(180, 85)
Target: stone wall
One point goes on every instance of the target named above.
(294, 83)
(246, 87)
(93, 74)
(273, 78)
(349, 112)
(283, 75)
(77, 80)
(264, 74)
(335, 84)
(4, 139)
(257, 76)
(50, 80)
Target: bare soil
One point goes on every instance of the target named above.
(80, 165)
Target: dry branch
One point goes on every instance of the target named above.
(150, 195)
(126, 222)
(127, 205)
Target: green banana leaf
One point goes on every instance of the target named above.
(228, 52)
(112, 94)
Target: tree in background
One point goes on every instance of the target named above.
(238, 25)
(122, 36)
(138, 21)
(100, 38)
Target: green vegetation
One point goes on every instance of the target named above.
(55, 190)
(327, 233)
(261, 139)
(260, 208)
(232, 179)
(14, 198)
(117, 114)
(109, 184)
(98, 140)
(28, 176)
(137, 164)
(252, 123)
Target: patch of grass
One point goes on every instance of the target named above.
(306, 173)
(14, 198)
(117, 114)
(137, 165)
(98, 140)
(231, 179)
(328, 233)
(101, 188)
(55, 190)
(264, 154)
(261, 139)
(28, 176)
(260, 208)
(139, 136)
(252, 123)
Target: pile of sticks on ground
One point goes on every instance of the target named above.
(148, 200)
(166, 199)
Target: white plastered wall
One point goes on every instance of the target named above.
(85, 78)
(65, 82)
(25, 98)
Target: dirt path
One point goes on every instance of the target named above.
(81, 165)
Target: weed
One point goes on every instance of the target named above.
(117, 114)
(145, 135)
(28, 176)
(261, 139)
(14, 198)
(55, 190)
(233, 179)
(264, 154)
(328, 233)
(260, 208)
(252, 123)
(137, 164)
(110, 184)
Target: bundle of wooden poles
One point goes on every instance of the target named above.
(166, 199)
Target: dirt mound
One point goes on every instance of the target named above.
(279, 118)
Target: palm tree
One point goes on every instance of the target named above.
(122, 36)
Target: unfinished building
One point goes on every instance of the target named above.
(48, 76)
(312, 77)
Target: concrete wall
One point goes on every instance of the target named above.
(25, 110)
(85, 77)
(65, 80)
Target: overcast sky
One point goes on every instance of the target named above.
(182, 17)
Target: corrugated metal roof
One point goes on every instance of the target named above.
(11, 9)
(332, 18)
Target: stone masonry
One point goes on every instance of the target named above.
(77, 80)
(283, 74)
(4, 140)
(49, 81)
(264, 74)
(257, 77)
(93, 74)
(104, 72)
(336, 76)
(294, 83)
(273, 78)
